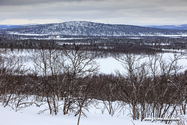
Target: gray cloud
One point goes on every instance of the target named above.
(28, 2)
(109, 11)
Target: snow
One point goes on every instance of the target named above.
(109, 65)
(27, 34)
(29, 116)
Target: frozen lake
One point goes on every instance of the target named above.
(110, 65)
(107, 65)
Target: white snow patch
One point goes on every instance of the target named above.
(29, 116)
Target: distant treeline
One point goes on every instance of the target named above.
(147, 46)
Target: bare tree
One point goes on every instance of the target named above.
(60, 70)
(49, 65)
(12, 69)
(79, 63)
(135, 74)
(146, 85)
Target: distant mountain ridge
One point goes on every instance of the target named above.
(171, 27)
(3, 27)
(85, 28)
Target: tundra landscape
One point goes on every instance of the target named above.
(90, 62)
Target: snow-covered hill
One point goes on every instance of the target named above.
(84, 28)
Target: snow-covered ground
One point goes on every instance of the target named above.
(30, 116)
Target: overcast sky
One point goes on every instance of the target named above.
(134, 12)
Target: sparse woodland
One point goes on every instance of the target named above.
(67, 80)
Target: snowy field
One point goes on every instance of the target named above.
(29, 116)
